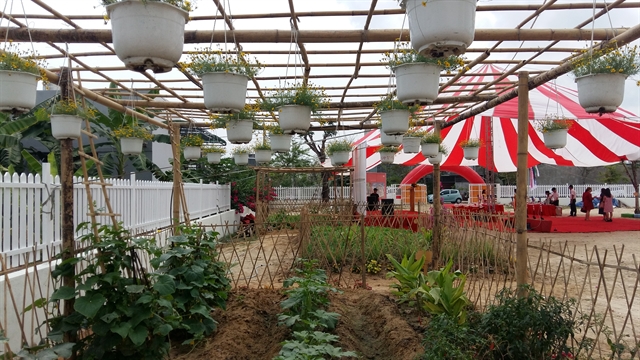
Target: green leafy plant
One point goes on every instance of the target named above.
(70, 107)
(274, 129)
(312, 345)
(443, 293)
(185, 5)
(262, 145)
(340, 145)
(624, 60)
(415, 132)
(405, 54)
(389, 103)
(471, 143)
(445, 338)
(311, 291)
(553, 123)
(391, 149)
(213, 149)
(410, 278)
(204, 61)
(297, 94)
(431, 138)
(192, 140)
(129, 131)
(443, 149)
(241, 150)
(12, 59)
(373, 267)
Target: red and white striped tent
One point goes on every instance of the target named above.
(593, 140)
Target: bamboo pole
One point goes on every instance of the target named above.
(436, 238)
(177, 176)
(521, 181)
(79, 36)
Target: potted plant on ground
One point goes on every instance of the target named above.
(192, 146)
(67, 118)
(417, 75)
(441, 27)
(411, 141)
(214, 153)
(263, 152)
(394, 115)
(224, 77)
(241, 155)
(437, 159)
(387, 154)
(239, 125)
(280, 142)
(471, 148)
(339, 151)
(295, 105)
(430, 143)
(554, 130)
(600, 77)
(18, 81)
(148, 34)
(131, 138)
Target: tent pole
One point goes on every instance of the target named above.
(521, 182)
(436, 240)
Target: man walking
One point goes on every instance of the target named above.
(572, 201)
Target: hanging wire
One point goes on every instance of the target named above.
(33, 49)
(6, 36)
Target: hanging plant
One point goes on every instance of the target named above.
(214, 153)
(471, 148)
(263, 152)
(148, 34)
(411, 141)
(241, 155)
(339, 151)
(67, 117)
(394, 115)
(19, 74)
(239, 125)
(280, 142)
(387, 154)
(430, 144)
(600, 77)
(418, 76)
(192, 146)
(554, 130)
(224, 77)
(132, 138)
(437, 159)
(295, 105)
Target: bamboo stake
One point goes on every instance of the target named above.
(521, 196)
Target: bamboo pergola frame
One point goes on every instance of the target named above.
(344, 59)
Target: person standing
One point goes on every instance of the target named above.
(587, 203)
(482, 200)
(607, 200)
(572, 201)
(547, 199)
(601, 204)
(554, 199)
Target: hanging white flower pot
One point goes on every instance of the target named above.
(556, 139)
(339, 158)
(263, 156)
(441, 27)
(601, 93)
(66, 126)
(395, 122)
(387, 157)
(295, 118)
(411, 144)
(390, 140)
(435, 159)
(240, 131)
(131, 146)
(214, 157)
(147, 34)
(417, 83)
(430, 149)
(192, 152)
(471, 153)
(241, 159)
(17, 91)
(224, 92)
(280, 143)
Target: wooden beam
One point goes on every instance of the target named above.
(80, 36)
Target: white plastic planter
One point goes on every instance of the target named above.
(241, 159)
(17, 91)
(295, 118)
(411, 144)
(224, 92)
(147, 35)
(214, 158)
(556, 139)
(471, 153)
(601, 93)
(263, 156)
(340, 158)
(430, 149)
(387, 157)
(131, 146)
(192, 152)
(441, 27)
(280, 143)
(240, 131)
(390, 140)
(395, 122)
(66, 126)
(417, 83)
(436, 159)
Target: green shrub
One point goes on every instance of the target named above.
(445, 338)
(282, 219)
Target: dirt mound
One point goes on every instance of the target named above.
(248, 329)
(372, 325)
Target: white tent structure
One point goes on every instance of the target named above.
(593, 140)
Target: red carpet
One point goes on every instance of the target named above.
(567, 224)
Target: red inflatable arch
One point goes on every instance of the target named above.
(422, 170)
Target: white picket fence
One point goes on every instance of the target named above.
(617, 190)
(315, 192)
(30, 208)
